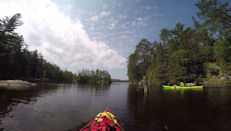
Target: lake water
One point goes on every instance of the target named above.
(64, 107)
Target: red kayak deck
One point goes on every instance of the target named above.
(104, 121)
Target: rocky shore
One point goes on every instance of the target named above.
(16, 84)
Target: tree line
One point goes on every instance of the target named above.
(187, 54)
(91, 76)
(17, 62)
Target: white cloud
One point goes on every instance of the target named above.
(59, 38)
(112, 22)
(139, 19)
(94, 18)
(122, 16)
(150, 7)
(133, 23)
(105, 13)
(105, 6)
(112, 26)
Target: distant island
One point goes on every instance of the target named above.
(118, 80)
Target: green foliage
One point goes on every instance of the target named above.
(11, 45)
(157, 71)
(139, 61)
(183, 57)
(164, 35)
(184, 54)
(215, 16)
(223, 55)
(17, 62)
(94, 77)
(132, 66)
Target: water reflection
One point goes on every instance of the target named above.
(52, 106)
(10, 98)
(97, 90)
(206, 109)
(59, 107)
(143, 107)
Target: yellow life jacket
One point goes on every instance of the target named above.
(109, 115)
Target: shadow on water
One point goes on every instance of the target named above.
(190, 110)
(10, 98)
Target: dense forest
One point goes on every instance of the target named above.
(17, 62)
(188, 54)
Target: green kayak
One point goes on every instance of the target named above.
(184, 87)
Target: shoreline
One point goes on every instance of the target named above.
(16, 84)
(205, 83)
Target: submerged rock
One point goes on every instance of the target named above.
(15, 84)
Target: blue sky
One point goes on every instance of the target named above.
(76, 34)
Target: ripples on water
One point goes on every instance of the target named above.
(61, 107)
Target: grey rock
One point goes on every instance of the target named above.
(16, 84)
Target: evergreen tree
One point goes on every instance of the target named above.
(139, 61)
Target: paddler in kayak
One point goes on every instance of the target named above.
(181, 84)
(174, 86)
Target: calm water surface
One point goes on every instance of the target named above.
(62, 107)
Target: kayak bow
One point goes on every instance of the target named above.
(104, 121)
